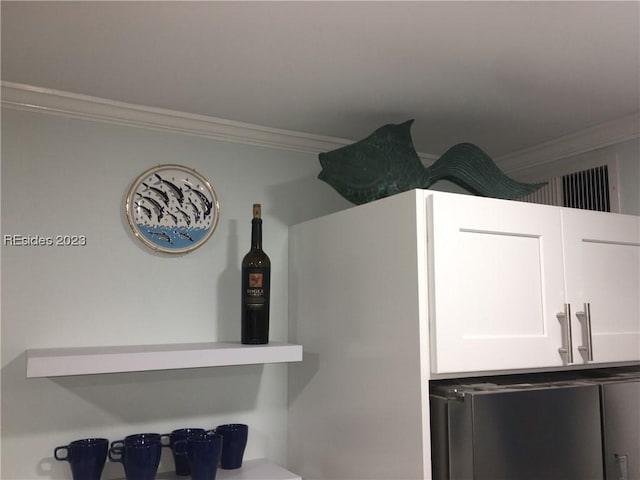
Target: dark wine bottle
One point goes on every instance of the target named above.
(256, 286)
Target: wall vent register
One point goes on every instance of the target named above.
(590, 189)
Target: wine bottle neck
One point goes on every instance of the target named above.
(256, 234)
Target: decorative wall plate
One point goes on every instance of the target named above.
(172, 209)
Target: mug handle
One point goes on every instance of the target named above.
(117, 443)
(59, 449)
(117, 450)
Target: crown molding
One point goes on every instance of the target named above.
(44, 100)
(587, 140)
(19, 96)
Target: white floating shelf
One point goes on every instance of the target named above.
(56, 362)
(259, 469)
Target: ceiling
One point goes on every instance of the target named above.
(503, 75)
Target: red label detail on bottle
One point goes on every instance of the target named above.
(255, 280)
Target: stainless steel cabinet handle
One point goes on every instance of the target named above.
(567, 344)
(585, 320)
(622, 464)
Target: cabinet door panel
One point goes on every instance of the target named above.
(495, 284)
(602, 268)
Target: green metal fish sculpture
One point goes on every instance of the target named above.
(386, 163)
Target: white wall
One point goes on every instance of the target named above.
(628, 156)
(68, 176)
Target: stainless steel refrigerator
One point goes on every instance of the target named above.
(578, 426)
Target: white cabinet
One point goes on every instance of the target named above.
(502, 271)
(602, 268)
(426, 285)
(356, 299)
(496, 274)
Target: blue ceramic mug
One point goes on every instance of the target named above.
(86, 457)
(143, 438)
(234, 442)
(181, 461)
(140, 459)
(203, 453)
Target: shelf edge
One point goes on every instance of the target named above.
(54, 362)
(257, 469)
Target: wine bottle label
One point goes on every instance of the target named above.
(256, 290)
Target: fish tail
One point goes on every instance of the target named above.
(468, 166)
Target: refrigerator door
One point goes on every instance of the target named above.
(621, 416)
(550, 433)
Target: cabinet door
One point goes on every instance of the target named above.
(602, 269)
(495, 284)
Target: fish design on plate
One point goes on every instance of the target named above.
(386, 163)
(172, 208)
